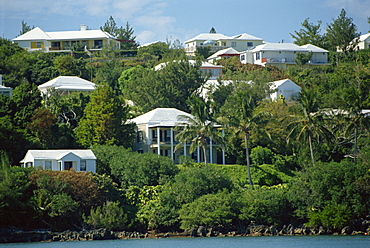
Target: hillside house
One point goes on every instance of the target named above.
(283, 55)
(60, 160)
(63, 41)
(7, 91)
(217, 42)
(363, 41)
(285, 87)
(67, 84)
(156, 134)
(224, 53)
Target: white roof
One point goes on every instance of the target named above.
(225, 51)
(276, 84)
(364, 37)
(245, 36)
(38, 34)
(68, 83)
(209, 36)
(192, 62)
(160, 117)
(279, 47)
(314, 48)
(59, 154)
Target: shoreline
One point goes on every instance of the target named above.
(20, 236)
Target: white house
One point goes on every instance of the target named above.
(67, 84)
(60, 160)
(285, 87)
(218, 42)
(364, 41)
(283, 55)
(62, 41)
(156, 134)
(8, 91)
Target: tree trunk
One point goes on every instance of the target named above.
(311, 149)
(247, 158)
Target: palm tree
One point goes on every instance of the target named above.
(308, 123)
(198, 128)
(239, 115)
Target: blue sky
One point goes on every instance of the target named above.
(152, 20)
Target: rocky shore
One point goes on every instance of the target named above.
(17, 236)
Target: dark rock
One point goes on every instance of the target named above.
(346, 230)
(202, 231)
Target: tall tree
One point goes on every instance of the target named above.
(25, 28)
(341, 33)
(239, 115)
(125, 34)
(212, 31)
(307, 123)
(309, 34)
(104, 122)
(199, 128)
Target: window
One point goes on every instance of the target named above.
(154, 135)
(258, 56)
(37, 44)
(67, 44)
(233, 44)
(167, 134)
(98, 43)
(55, 44)
(47, 165)
(250, 44)
(223, 43)
(139, 137)
(29, 164)
(242, 57)
(68, 165)
(83, 165)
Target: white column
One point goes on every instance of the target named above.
(172, 143)
(210, 151)
(185, 149)
(198, 154)
(158, 140)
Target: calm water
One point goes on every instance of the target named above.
(224, 242)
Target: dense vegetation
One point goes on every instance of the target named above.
(305, 161)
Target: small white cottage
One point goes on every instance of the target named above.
(60, 160)
(285, 87)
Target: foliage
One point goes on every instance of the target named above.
(104, 122)
(126, 34)
(135, 169)
(168, 87)
(239, 116)
(25, 28)
(110, 215)
(270, 206)
(261, 155)
(302, 58)
(309, 34)
(15, 194)
(331, 184)
(331, 217)
(341, 33)
(210, 210)
(197, 129)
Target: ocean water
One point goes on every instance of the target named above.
(219, 242)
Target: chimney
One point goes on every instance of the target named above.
(83, 27)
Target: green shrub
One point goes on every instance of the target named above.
(331, 216)
(261, 155)
(110, 215)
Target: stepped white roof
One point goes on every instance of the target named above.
(314, 48)
(226, 51)
(67, 83)
(245, 36)
(168, 117)
(276, 84)
(59, 154)
(38, 34)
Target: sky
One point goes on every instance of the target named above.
(170, 20)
